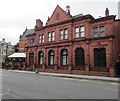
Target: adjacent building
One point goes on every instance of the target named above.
(17, 59)
(23, 39)
(6, 49)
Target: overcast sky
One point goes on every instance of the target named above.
(16, 15)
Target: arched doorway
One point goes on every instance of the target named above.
(80, 57)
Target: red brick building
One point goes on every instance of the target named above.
(77, 44)
(23, 39)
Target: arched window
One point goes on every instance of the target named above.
(100, 57)
(79, 57)
(41, 58)
(51, 56)
(64, 57)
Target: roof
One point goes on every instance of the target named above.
(25, 33)
(103, 18)
(79, 15)
(5, 43)
(17, 55)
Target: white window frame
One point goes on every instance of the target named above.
(102, 31)
(41, 38)
(82, 31)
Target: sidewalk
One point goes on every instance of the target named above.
(112, 79)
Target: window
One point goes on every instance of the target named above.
(61, 34)
(79, 57)
(41, 58)
(99, 31)
(100, 57)
(82, 31)
(95, 32)
(32, 42)
(51, 57)
(64, 57)
(64, 34)
(79, 32)
(31, 58)
(51, 36)
(41, 38)
(102, 31)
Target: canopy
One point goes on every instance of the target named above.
(17, 55)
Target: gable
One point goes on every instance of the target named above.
(58, 15)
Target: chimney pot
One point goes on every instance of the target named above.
(107, 12)
(68, 9)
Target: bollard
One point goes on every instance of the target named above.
(37, 70)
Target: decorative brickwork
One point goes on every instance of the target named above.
(101, 43)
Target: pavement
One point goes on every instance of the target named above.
(111, 79)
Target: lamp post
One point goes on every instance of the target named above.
(6, 52)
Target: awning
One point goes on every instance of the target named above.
(17, 55)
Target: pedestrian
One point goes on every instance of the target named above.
(7, 67)
(118, 68)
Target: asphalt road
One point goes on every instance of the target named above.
(36, 86)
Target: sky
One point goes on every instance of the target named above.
(16, 15)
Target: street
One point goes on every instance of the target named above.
(36, 86)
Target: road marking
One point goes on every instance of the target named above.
(114, 83)
(84, 80)
(67, 78)
(55, 77)
(8, 93)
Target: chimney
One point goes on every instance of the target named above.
(39, 23)
(107, 12)
(3, 39)
(68, 9)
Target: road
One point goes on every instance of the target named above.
(36, 86)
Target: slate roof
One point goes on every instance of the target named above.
(5, 43)
(25, 33)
